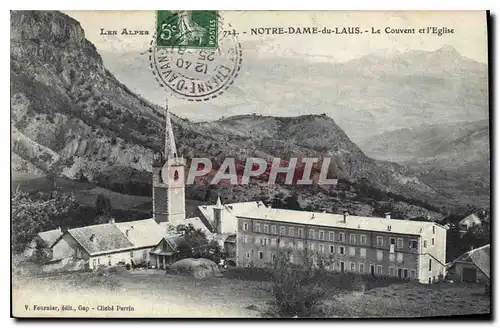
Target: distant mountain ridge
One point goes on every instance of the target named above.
(72, 117)
(367, 96)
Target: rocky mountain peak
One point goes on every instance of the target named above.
(46, 26)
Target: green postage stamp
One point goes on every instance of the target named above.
(191, 29)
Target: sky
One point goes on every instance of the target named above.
(469, 36)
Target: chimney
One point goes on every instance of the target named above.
(346, 214)
(92, 238)
(218, 216)
(126, 232)
(388, 215)
(112, 220)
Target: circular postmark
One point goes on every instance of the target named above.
(191, 73)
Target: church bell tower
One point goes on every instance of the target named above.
(168, 180)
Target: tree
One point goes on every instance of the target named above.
(296, 288)
(103, 208)
(32, 214)
(195, 244)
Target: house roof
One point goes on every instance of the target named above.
(480, 257)
(51, 236)
(142, 233)
(101, 238)
(229, 212)
(172, 240)
(336, 220)
(471, 219)
(112, 237)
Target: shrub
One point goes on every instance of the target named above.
(296, 289)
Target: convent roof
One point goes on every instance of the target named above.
(337, 220)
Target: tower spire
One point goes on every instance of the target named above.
(170, 148)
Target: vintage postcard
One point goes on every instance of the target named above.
(254, 164)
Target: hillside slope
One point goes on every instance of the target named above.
(65, 103)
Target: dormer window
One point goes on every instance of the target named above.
(176, 175)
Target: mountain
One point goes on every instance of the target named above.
(71, 117)
(367, 96)
(449, 157)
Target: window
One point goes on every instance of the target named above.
(273, 229)
(282, 231)
(430, 265)
(245, 226)
(353, 238)
(380, 255)
(109, 260)
(131, 254)
(352, 251)
(380, 241)
(321, 248)
(321, 235)
(393, 241)
(290, 244)
(273, 256)
(361, 268)
(379, 269)
(261, 255)
(273, 241)
(362, 239)
(399, 257)
(425, 243)
(392, 271)
(300, 245)
(331, 236)
(405, 273)
(300, 233)
(413, 274)
(353, 267)
(245, 239)
(362, 253)
(400, 243)
(257, 240)
(266, 228)
(392, 257)
(247, 255)
(311, 233)
(257, 227)
(341, 237)
(341, 250)
(413, 244)
(98, 261)
(342, 266)
(263, 241)
(291, 232)
(433, 229)
(332, 249)
(311, 246)
(432, 241)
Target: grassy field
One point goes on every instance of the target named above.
(155, 294)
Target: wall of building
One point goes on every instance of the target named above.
(432, 261)
(257, 245)
(62, 249)
(125, 257)
(456, 272)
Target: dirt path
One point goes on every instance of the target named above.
(150, 294)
